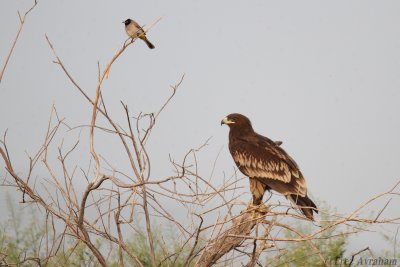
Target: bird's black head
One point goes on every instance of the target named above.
(127, 22)
(236, 120)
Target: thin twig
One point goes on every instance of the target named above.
(22, 23)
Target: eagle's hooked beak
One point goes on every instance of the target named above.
(227, 121)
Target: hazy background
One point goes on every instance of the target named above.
(323, 77)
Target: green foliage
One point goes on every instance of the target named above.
(331, 245)
(74, 254)
(165, 243)
(393, 239)
(22, 237)
(18, 240)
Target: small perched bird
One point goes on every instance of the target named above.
(134, 30)
(266, 164)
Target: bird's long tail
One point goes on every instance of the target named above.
(306, 205)
(149, 44)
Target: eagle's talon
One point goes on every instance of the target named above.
(257, 209)
(262, 208)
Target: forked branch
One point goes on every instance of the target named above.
(21, 25)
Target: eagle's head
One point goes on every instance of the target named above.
(236, 120)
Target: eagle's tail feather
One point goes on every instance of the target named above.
(306, 205)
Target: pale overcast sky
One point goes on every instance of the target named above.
(323, 77)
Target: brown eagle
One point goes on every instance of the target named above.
(266, 164)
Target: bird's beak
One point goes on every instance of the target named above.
(227, 121)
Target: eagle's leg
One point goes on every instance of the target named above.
(257, 200)
(257, 190)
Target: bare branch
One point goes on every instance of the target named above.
(22, 23)
(230, 239)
